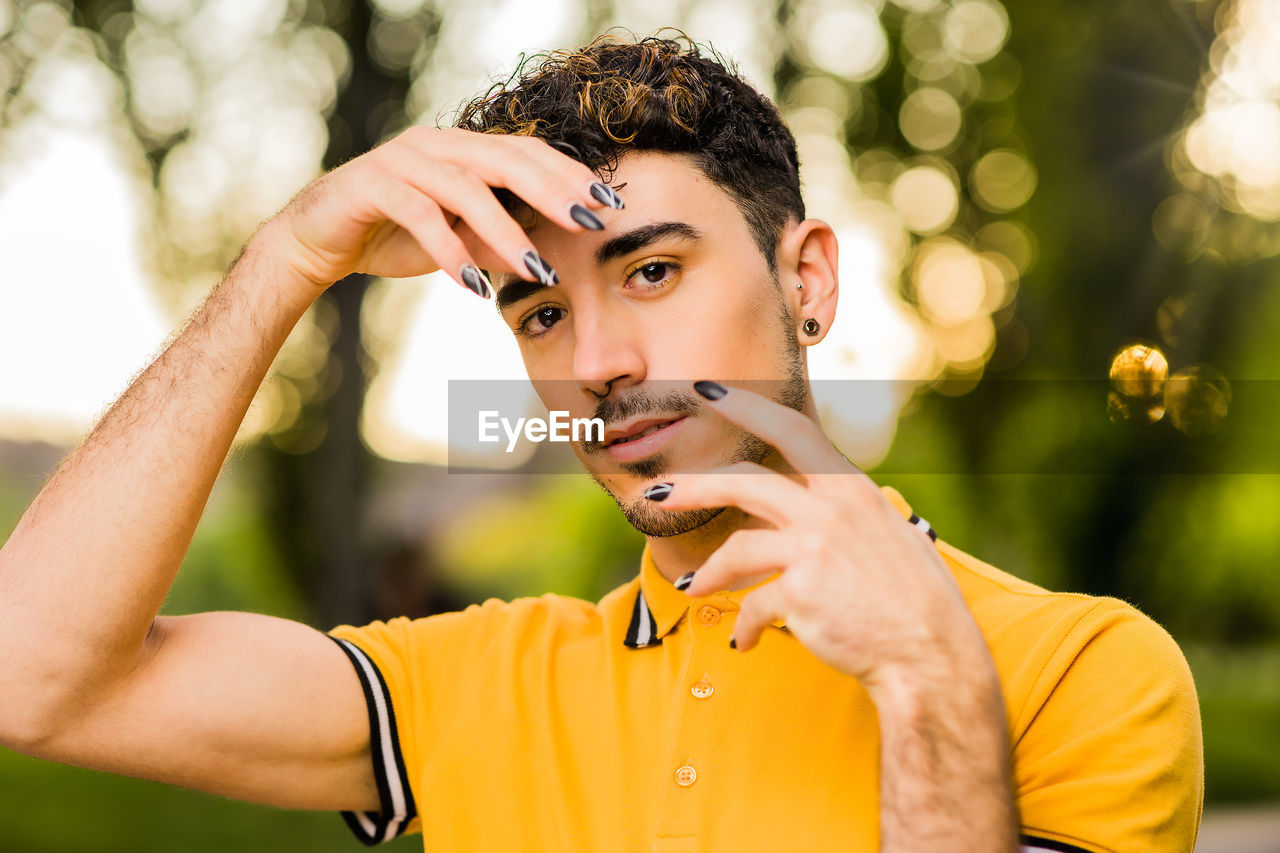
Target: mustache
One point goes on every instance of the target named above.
(674, 403)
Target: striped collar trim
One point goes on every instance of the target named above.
(659, 604)
(642, 631)
(658, 607)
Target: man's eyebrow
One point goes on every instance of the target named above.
(519, 289)
(638, 238)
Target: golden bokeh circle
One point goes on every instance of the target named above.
(1139, 370)
(1197, 398)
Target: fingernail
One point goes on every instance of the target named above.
(733, 643)
(586, 218)
(605, 195)
(475, 280)
(684, 580)
(658, 491)
(710, 390)
(536, 265)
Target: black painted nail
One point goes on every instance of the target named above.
(658, 491)
(605, 195)
(733, 643)
(710, 390)
(475, 281)
(536, 265)
(684, 580)
(586, 218)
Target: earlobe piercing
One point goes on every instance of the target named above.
(811, 327)
(799, 285)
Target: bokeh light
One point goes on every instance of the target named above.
(926, 199)
(1002, 181)
(1231, 140)
(930, 119)
(1197, 399)
(1139, 370)
(844, 37)
(975, 30)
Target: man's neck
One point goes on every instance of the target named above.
(677, 555)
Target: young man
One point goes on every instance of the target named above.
(831, 676)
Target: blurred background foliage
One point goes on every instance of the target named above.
(1071, 218)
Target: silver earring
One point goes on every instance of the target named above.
(800, 285)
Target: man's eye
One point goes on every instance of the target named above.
(541, 321)
(652, 275)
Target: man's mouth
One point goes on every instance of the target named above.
(639, 439)
(635, 436)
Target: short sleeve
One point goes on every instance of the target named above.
(1108, 751)
(398, 809)
(411, 671)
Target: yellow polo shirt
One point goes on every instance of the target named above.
(554, 724)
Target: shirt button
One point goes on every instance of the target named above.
(708, 615)
(686, 776)
(703, 689)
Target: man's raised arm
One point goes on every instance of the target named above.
(242, 705)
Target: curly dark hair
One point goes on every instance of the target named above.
(655, 94)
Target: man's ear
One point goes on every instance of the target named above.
(808, 256)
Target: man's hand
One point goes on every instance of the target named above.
(860, 588)
(424, 201)
(868, 594)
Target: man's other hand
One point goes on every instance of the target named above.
(424, 201)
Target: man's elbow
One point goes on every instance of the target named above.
(31, 720)
(44, 705)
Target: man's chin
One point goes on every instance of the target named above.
(652, 520)
(649, 468)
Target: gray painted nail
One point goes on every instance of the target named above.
(710, 390)
(605, 195)
(475, 281)
(658, 491)
(540, 268)
(585, 218)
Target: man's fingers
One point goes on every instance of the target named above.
(559, 158)
(466, 196)
(423, 219)
(758, 609)
(747, 555)
(792, 433)
(562, 194)
(751, 488)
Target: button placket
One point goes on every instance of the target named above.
(692, 757)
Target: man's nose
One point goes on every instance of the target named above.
(607, 354)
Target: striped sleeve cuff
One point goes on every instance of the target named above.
(1034, 844)
(395, 797)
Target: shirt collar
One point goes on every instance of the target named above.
(659, 606)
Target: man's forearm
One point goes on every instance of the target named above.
(89, 564)
(944, 763)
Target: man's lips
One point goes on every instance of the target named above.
(635, 430)
(643, 438)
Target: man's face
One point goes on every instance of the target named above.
(673, 290)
